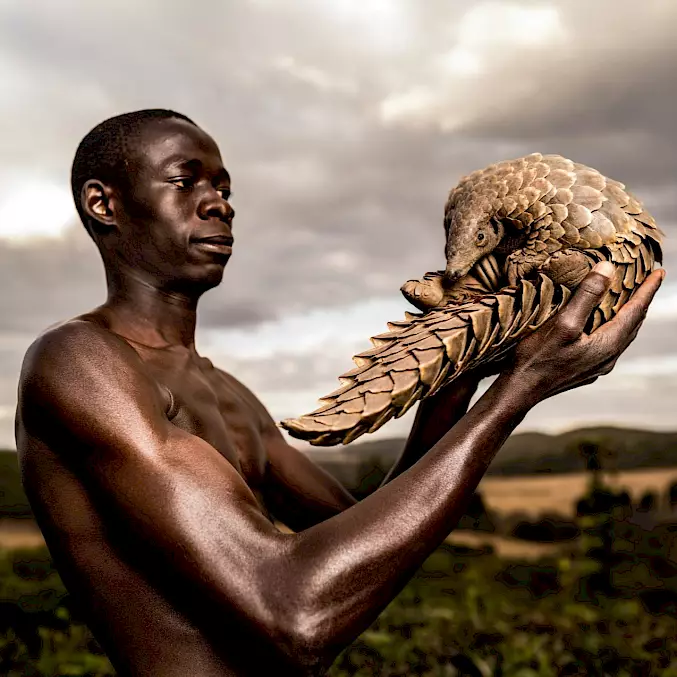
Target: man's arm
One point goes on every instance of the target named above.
(435, 417)
(303, 597)
(301, 494)
(297, 491)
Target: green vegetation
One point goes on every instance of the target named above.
(605, 604)
(466, 612)
(40, 634)
(473, 615)
(13, 501)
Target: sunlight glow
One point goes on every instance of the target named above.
(383, 21)
(488, 28)
(35, 210)
(492, 46)
(462, 61)
(490, 24)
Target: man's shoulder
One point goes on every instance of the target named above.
(81, 374)
(71, 345)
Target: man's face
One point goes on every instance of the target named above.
(176, 222)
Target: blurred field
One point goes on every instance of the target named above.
(534, 496)
(16, 534)
(505, 547)
(602, 604)
(538, 494)
(530, 495)
(19, 533)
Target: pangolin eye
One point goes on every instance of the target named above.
(480, 237)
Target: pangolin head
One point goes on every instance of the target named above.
(469, 238)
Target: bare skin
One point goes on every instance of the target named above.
(155, 476)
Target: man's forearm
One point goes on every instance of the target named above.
(361, 558)
(435, 417)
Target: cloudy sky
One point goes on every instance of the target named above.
(344, 123)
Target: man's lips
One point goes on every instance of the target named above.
(217, 243)
(215, 239)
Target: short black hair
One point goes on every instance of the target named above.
(105, 150)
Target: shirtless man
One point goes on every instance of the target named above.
(154, 475)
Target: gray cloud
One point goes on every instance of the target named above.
(335, 204)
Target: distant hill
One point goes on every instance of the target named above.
(522, 454)
(626, 449)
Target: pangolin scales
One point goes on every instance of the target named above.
(520, 236)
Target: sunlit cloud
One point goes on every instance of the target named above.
(315, 77)
(494, 25)
(462, 61)
(35, 209)
(344, 130)
(342, 328)
(383, 22)
(490, 38)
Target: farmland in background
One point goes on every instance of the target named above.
(546, 575)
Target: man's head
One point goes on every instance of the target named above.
(152, 191)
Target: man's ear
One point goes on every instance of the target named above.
(98, 202)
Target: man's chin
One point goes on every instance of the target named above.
(208, 276)
(215, 276)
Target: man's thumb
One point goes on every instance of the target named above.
(605, 268)
(587, 297)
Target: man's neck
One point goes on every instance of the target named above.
(140, 311)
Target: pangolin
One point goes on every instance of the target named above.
(520, 236)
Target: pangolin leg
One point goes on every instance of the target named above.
(425, 293)
(432, 290)
(523, 263)
(568, 267)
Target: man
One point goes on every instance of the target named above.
(154, 476)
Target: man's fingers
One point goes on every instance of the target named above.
(637, 306)
(586, 298)
(632, 314)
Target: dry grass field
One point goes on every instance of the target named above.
(507, 548)
(542, 494)
(538, 494)
(22, 533)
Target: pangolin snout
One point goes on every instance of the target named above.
(453, 273)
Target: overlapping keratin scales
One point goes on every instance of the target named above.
(559, 218)
(414, 361)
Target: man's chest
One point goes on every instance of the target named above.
(206, 404)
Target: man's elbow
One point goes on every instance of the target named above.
(308, 641)
(309, 632)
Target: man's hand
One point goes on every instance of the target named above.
(560, 357)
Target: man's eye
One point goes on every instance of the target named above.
(225, 193)
(182, 184)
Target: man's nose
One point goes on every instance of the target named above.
(214, 205)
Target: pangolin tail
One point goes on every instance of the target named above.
(423, 353)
